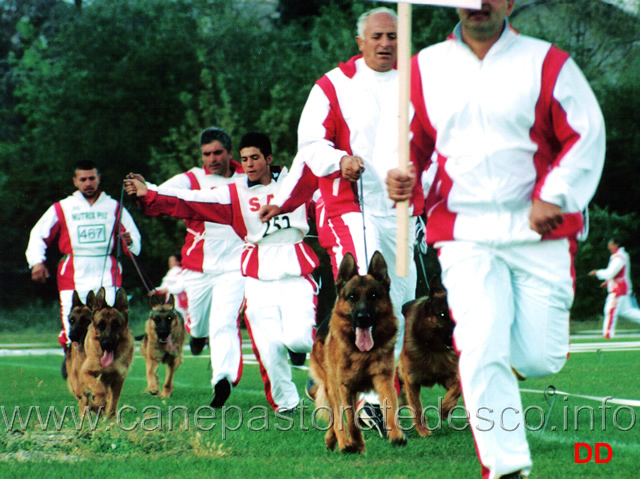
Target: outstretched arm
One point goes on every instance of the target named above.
(268, 211)
(613, 268)
(203, 205)
(134, 184)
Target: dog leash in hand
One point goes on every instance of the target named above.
(116, 224)
(119, 223)
(148, 285)
(364, 227)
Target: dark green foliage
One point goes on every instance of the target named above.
(131, 83)
(303, 13)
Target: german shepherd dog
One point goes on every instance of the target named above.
(427, 356)
(109, 347)
(79, 321)
(354, 353)
(162, 343)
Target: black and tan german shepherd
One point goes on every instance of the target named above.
(109, 347)
(79, 320)
(354, 353)
(428, 357)
(162, 343)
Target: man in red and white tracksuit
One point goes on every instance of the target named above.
(617, 277)
(85, 226)
(280, 291)
(348, 125)
(520, 144)
(211, 267)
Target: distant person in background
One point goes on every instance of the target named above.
(173, 283)
(617, 279)
(85, 226)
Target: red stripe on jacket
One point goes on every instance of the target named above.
(66, 270)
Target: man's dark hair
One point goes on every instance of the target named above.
(257, 140)
(212, 134)
(85, 165)
(617, 240)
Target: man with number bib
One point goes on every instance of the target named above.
(85, 225)
(275, 260)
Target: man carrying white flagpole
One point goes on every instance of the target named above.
(348, 139)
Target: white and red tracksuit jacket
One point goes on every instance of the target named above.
(273, 250)
(617, 274)
(83, 232)
(499, 146)
(208, 247)
(352, 110)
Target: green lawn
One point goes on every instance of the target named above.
(246, 439)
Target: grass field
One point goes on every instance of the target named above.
(246, 439)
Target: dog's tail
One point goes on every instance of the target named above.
(140, 337)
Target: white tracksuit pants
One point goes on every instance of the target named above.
(511, 307)
(280, 314)
(615, 307)
(214, 307)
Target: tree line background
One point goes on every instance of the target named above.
(130, 84)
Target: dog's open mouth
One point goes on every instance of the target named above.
(168, 342)
(364, 341)
(107, 359)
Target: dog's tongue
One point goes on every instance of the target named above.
(106, 359)
(170, 345)
(364, 341)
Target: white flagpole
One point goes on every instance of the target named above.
(404, 75)
(404, 68)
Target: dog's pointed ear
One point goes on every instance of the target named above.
(406, 307)
(122, 302)
(100, 301)
(171, 301)
(91, 300)
(154, 300)
(76, 301)
(378, 269)
(348, 269)
(435, 285)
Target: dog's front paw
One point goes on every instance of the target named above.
(423, 431)
(166, 393)
(354, 449)
(398, 438)
(330, 439)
